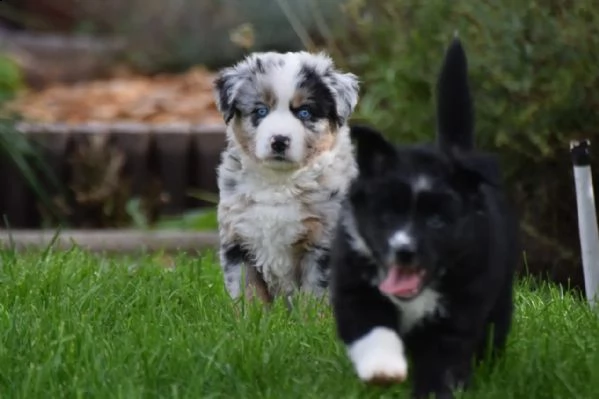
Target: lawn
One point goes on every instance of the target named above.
(80, 326)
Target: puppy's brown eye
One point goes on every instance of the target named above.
(435, 222)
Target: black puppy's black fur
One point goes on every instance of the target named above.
(466, 238)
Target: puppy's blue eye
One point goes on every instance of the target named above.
(435, 222)
(304, 114)
(261, 111)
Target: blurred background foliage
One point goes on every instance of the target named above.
(534, 80)
(173, 35)
(14, 147)
(533, 68)
(11, 78)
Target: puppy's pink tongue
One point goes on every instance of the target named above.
(401, 283)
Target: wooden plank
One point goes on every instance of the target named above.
(111, 240)
(173, 154)
(170, 159)
(134, 139)
(208, 144)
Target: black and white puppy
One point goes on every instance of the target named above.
(425, 251)
(287, 166)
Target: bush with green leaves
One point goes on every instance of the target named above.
(534, 77)
(167, 35)
(27, 158)
(11, 78)
(14, 146)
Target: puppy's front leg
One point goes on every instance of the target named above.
(235, 263)
(255, 286)
(378, 356)
(231, 260)
(367, 324)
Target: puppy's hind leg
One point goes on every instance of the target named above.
(313, 278)
(498, 326)
(314, 269)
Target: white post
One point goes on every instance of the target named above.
(587, 216)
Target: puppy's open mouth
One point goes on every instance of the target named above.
(280, 162)
(402, 282)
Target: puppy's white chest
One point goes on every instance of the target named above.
(418, 309)
(271, 228)
(271, 225)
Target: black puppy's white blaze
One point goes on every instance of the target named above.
(401, 240)
(423, 260)
(286, 169)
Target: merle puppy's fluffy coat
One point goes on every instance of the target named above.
(425, 251)
(286, 168)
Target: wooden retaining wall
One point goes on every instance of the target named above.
(110, 240)
(125, 160)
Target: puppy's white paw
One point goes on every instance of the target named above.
(378, 357)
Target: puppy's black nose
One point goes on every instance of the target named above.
(279, 143)
(405, 255)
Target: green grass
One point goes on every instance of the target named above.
(74, 325)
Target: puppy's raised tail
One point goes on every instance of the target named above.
(455, 113)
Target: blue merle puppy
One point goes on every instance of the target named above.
(286, 168)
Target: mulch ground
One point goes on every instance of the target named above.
(126, 97)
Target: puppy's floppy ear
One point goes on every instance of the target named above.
(455, 111)
(344, 87)
(226, 88)
(374, 154)
(473, 169)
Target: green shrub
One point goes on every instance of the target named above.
(533, 68)
(11, 78)
(28, 160)
(167, 35)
